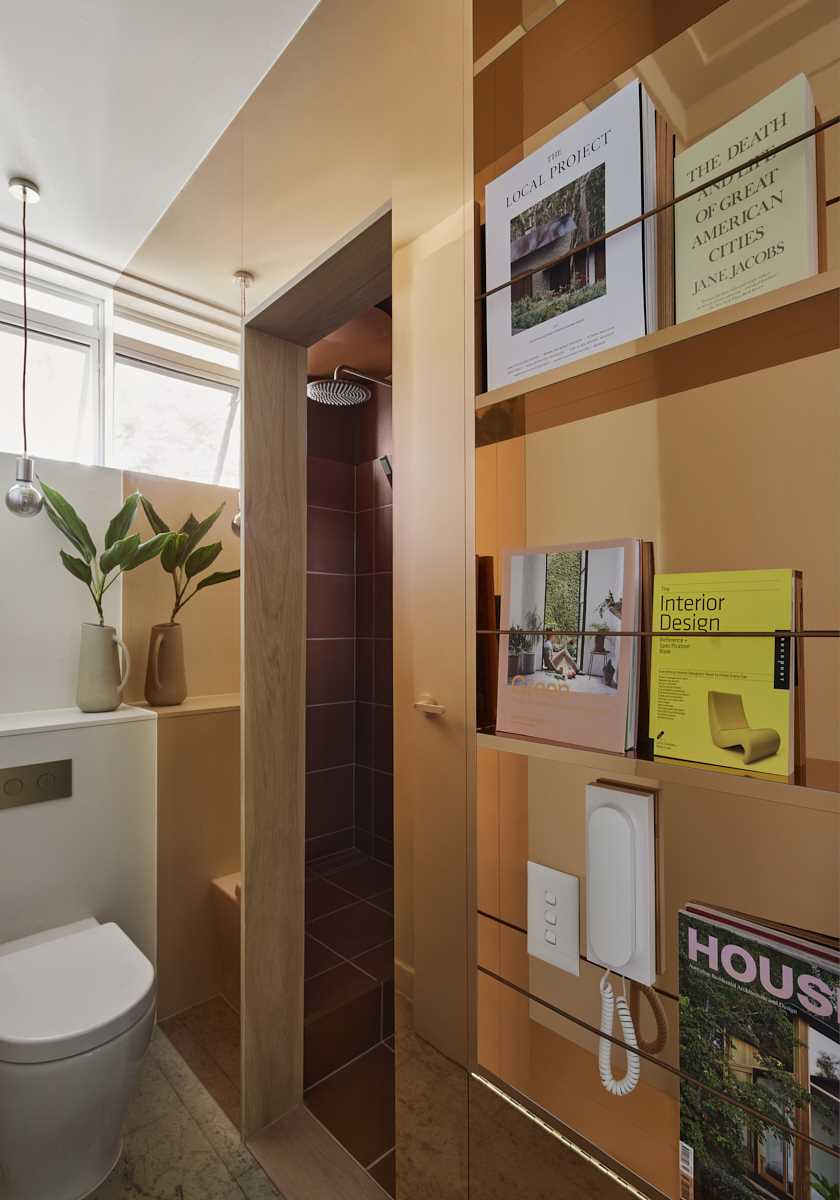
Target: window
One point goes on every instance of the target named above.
(173, 406)
(62, 400)
(64, 384)
(169, 423)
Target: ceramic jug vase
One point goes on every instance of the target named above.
(166, 679)
(101, 683)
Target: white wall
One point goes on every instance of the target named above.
(93, 854)
(42, 606)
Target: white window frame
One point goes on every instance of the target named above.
(151, 357)
(95, 337)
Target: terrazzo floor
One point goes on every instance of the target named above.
(179, 1144)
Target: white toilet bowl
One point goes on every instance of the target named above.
(77, 1007)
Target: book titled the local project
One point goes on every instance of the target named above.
(756, 228)
(573, 295)
(724, 700)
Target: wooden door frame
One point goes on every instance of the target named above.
(352, 277)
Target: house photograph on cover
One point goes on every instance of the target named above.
(549, 229)
(571, 590)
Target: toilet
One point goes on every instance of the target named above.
(77, 1008)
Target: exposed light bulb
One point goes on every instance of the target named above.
(23, 498)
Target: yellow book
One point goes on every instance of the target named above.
(756, 229)
(718, 699)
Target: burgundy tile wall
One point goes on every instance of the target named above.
(374, 650)
(331, 631)
(349, 658)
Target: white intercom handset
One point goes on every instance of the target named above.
(620, 912)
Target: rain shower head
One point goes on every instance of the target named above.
(342, 391)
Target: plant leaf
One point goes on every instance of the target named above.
(121, 523)
(157, 523)
(171, 554)
(201, 558)
(69, 521)
(189, 525)
(197, 530)
(120, 553)
(148, 550)
(77, 567)
(217, 577)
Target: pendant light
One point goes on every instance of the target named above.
(244, 279)
(23, 498)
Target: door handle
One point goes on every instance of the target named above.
(428, 705)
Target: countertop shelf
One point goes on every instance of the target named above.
(791, 322)
(820, 792)
(53, 719)
(195, 705)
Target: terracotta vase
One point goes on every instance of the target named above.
(101, 683)
(166, 679)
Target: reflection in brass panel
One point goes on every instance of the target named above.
(492, 21)
(511, 1156)
(500, 422)
(595, 40)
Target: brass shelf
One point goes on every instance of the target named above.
(817, 787)
(792, 322)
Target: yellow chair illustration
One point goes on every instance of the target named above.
(730, 728)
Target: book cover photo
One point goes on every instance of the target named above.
(579, 684)
(722, 700)
(759, 1027)
(592, 177)
(757, 228)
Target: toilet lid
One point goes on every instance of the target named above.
(62, 997)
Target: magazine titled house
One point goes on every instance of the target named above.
(728, 701)
(564, 673)
(756, 228)
(759, 1028)
(591, 178)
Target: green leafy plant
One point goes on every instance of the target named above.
(824, 1186)
(123, 550)
(517, 640)
(184, 558)
(533, 620)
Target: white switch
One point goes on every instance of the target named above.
(554, 917)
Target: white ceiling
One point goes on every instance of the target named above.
(111, 105)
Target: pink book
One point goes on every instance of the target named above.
(578, 685)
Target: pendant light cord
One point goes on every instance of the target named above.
(25, 332)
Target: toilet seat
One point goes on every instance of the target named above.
(71, 993)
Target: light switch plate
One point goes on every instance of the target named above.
(621, 880)
(554, 917)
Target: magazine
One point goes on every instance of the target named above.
(589, 179)
(759, 1028)
(580, 683)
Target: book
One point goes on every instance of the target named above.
(726, 701)
(589, 179)
(759, 1027)
(756, 229)
(579, 685)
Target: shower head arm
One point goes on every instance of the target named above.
(342, 370)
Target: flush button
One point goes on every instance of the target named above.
(46, 782)
(13, 787)
(35, 782)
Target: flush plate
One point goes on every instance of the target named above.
(36, 782)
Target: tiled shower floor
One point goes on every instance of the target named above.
(349, 1001)
(179, 1144)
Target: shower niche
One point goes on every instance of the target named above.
(349, 976)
